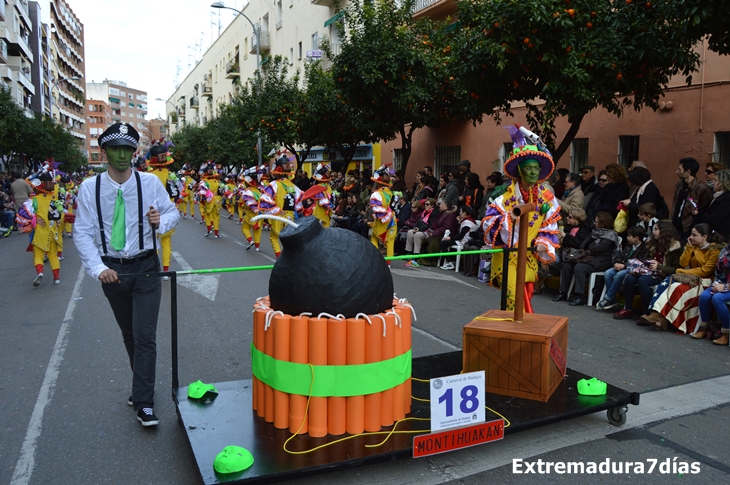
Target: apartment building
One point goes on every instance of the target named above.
(125, 104)
(98, 119)
(40, 72)
(16, 56)
(67, 70)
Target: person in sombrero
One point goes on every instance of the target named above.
(529, 166)
(324, 203)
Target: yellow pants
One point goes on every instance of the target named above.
(240, 212)
(248, 225)
(38, 255)
(166, 248)
(276, 227)
(390, 233)
(323, 215)
(497, 269)
(213, 213)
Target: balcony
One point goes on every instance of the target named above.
(2, 11)
(194, 103)
(435, 9)
(233, 70)
(323, 3)
(19, 41)
(24, 79)
(3, 51)
(265, 42)
(206, 90)
(181, 112)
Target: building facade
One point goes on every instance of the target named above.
(68, 71)
(40, 45)
(98, 119)
(125, 104)
(16, 56)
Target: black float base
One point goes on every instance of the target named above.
(229, 420)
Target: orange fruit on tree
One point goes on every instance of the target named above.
(619, 76)
(526, 41)
(589, 24)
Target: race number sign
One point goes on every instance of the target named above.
(457, 400)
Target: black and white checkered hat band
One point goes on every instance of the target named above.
(117, 136)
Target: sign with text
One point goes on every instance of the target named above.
(454, 439)
(457, 400)
(314, 54)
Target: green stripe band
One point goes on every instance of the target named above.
(331, 380)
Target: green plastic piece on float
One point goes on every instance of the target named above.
(331, 380)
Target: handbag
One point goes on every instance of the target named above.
(622, 221)
(638, 267)
(690, 280)
(574, 255)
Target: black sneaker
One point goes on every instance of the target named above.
(129, 401)
(37, 280)
(147, 417)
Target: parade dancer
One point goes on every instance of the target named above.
(529, 166)
(280, 198)
(324, 202)
(250, 197)
(385, 226)
(118, 212)
(211, 207)
(47, 211)
(158, 160)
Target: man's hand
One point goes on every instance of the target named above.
(154, 217)
(618, 266)
(718, 288)
(40, 222)
(109, 276)
(653, 264)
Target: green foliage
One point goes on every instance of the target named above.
(37, 138)
(575, 55)
(703, 17)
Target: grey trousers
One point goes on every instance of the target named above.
(136, 305)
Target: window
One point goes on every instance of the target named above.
(300, 50)
(628, 150)
(122, 93)
(721, 153)
(397, 158)
(131, 105)
(94, 142)
(446, 158)
(315, 41)
(279, 15)
(505, 152)
(94, 156)
(578, 154)
(291, 56)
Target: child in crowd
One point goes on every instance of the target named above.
(647, 218)
(614, 277)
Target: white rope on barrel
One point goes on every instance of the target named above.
(338, 317)
(270, 317)
(276, 218)
(365, 317)
(399, 322)
(384, 324)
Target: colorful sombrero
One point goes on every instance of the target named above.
(321, 173)
(380, 174)
(523, 151)
(159, 148)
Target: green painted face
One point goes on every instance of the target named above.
(529, 171)
(120, 158)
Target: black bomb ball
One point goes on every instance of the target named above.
(329, 270)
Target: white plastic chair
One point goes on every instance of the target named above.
(592, 282)
(458, 257)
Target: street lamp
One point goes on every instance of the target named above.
(174, 108)
(258, 54)
(55, 85)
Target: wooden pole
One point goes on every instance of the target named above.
(523, 212)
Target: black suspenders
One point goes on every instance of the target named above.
(140, 223)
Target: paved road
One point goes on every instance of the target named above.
(64, 378)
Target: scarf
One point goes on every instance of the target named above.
(567, 193)
(640, 192)
(602, 232)
(426, 214)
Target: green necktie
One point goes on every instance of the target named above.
(119, 226)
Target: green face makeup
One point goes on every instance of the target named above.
(530, 171)
(119, 157)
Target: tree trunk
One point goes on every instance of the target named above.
(569, 136)
(406, 147)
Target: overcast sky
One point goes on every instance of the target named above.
(142, 43)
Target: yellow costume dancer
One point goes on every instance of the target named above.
(529, 166)
(48, 211)
(280, 198)
(69, 204)
(211, 209)
(324, 202)
(385, 226)
(159, 160)
(250, 196)
(187, 189)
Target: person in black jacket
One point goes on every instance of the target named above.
(647, 192)
(602, 242)
(616, 189)
(614, 277)
(716, 213)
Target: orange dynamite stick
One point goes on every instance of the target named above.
(282, 336)
(268, 390)
(336, 355)
(259, 321)
(386, 404)
(399, 390)
(299, 353)
(405, 318)
(355, 356)
(373, 352)
(318, 356)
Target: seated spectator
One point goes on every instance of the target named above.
(647, 219)
(403, 209)
(415, 236)
(473, 192)
(675, 305)
(7, 214)
(444, 223)
(602, 242)
(716, 213)
(613, 278)
(405, 224)
(576, 231)
(466, 225)
(664, 249)
(449, 188)
(572, 195)
(423, 190)
(715, 297)
(647, 191)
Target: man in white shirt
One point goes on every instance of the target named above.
(131, 205)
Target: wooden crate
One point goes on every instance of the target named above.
(516, 356)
